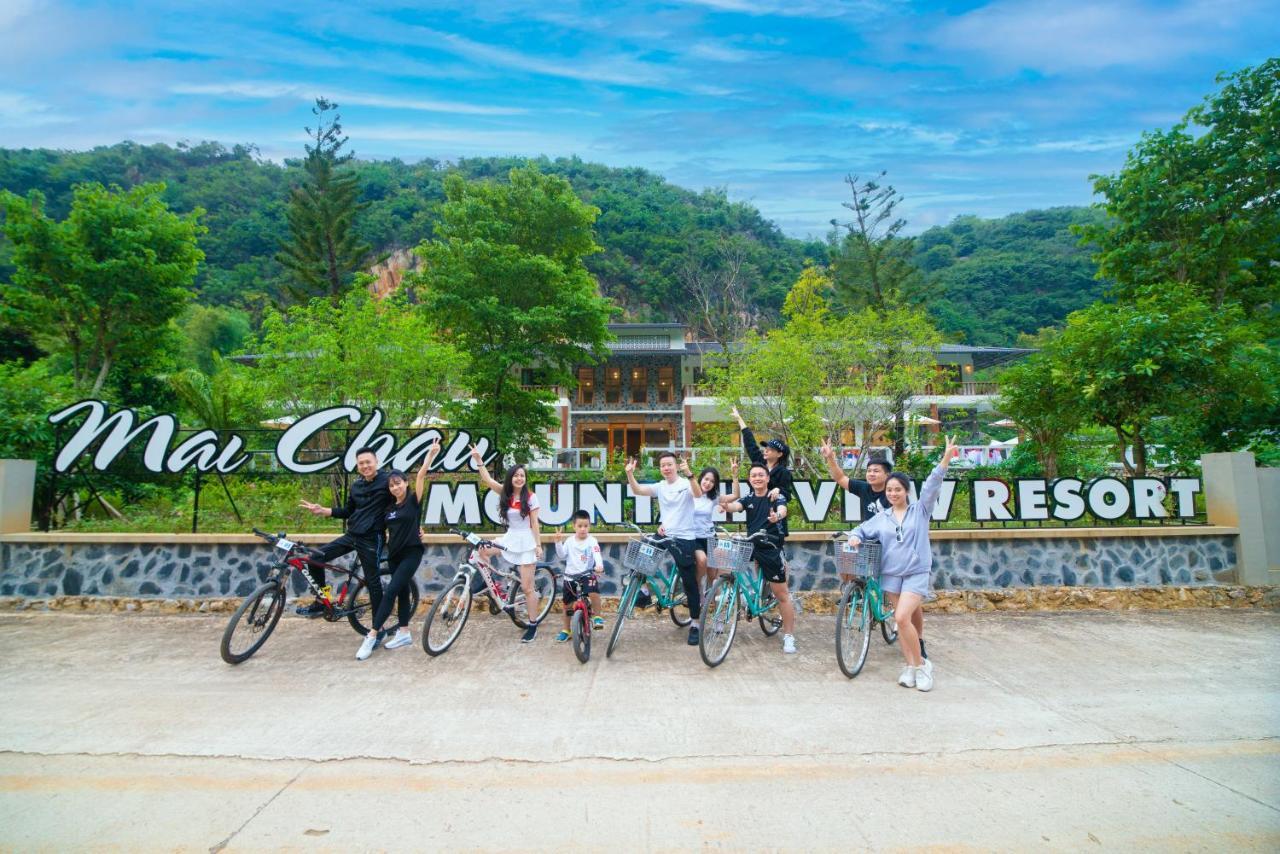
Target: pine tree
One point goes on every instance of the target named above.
(324, 250)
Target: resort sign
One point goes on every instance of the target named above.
(104, 435)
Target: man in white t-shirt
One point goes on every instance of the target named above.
(675, 496)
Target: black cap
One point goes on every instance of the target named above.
(779, 446)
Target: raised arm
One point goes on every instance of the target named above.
(839, 475)
(933, 484)
(637, 488)
(478, 461)
(432, 453)
(695, 488)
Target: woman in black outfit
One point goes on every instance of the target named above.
(404, 554)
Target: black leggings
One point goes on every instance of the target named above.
(682, 552)
(403, 566)
(367, 547)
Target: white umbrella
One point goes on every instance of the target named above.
(1004, 422)
(922, 419)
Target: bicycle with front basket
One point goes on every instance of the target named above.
(478, 575)
(861, 606)
(256, 618)
(736, 590)
(649, 569)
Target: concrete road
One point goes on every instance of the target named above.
(1153, 731)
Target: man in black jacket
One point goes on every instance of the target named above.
(775, 456)
(367, 503)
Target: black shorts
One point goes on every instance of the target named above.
(702, 544)
(589, 584)
(770, 562)
(682, 552)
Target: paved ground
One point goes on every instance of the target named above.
(1156, 731)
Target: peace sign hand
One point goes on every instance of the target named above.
(631, 465)
(827, 452)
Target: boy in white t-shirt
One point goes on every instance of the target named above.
(582, 561)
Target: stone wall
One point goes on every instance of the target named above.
(31, 567)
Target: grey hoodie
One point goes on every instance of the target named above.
(905, 548)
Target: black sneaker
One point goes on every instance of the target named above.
(694, 636)
(643, 599)
(923, 654)
(315, 609)
(529, 634)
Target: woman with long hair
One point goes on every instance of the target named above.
(906, 562)
(704, 507)
(404, 554)
(523, 540)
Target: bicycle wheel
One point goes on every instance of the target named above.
(770, 618)
(253, 622)
(446, 618)
(853, 631)
(625, 604)
(680, 613)
(889, 630)
(544, 583)
(719, 621)
(360, 606)
(580, 629)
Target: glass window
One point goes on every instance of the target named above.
(586, 386)
(639, 385)
(595, 437)
(612, 385)
(666, 385)
(657, 437)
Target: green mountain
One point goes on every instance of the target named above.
(996, 278)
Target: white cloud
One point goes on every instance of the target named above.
(19, 110)
(1053, 37)
(268, 90)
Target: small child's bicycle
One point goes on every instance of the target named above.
(452, 607)
(580, 616)
(648, 565)
(861, 605)
(738, 588)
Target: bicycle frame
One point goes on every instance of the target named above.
(297, 558)
(477, 564)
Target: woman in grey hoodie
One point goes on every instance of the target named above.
(906, 561)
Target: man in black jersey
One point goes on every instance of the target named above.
(870, 492)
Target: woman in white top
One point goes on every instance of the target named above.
(704, 507)
(523, 539)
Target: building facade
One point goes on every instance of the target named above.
(647, 395)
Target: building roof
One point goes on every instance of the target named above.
(986, 357)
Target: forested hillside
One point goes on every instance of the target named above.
(995, 278)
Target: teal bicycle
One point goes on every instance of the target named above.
(651, 578)
(738, 590)
(861, 606)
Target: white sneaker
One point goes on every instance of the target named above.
(788, 644)
(402, 638)
(924, 676)
(366, 647)
(907, 679)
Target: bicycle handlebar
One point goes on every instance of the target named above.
(466, 535)
(654, 538)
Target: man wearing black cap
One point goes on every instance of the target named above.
(775, 456)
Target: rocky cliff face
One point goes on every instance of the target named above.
(390, 273)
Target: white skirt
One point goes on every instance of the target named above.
(521, 548)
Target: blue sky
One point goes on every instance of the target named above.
(971, 107)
